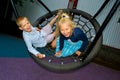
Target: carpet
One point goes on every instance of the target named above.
(27, 69)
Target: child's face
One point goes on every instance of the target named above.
(25, 25)
(65, 29)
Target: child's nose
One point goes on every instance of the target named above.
(65, 32)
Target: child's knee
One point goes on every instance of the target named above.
(53, 44)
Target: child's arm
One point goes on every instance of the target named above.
(33, 50)
(81, 36)
(30, 48)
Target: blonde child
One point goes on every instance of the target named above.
(69, 38)
(35, 37)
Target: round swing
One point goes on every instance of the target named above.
(89, 26)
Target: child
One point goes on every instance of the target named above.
(35, 37)
(69, 38)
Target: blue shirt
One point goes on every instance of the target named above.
(76, 36)
(34, 39)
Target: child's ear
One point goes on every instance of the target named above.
(20, 28)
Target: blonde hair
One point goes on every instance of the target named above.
(64, 18)
(19, 19)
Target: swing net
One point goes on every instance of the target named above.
(86, 23)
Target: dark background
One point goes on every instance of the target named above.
(8, 26)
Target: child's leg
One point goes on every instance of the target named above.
(53, 20)
(49, 38)
(47, 29)
(53, 44)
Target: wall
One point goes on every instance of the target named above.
(111, 33)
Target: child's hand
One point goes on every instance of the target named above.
(78, 53)
(39, 55)
(38, 29)
(58, 53)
